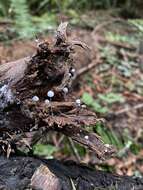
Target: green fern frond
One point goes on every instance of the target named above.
(4, 6)
(22, 17)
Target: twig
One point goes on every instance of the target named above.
(88, 67)
(118, 44)
(127, 109)
(133, 55)
(106, 23)
(73, 185)
(74, 149)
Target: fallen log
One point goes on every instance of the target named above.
(20, 173)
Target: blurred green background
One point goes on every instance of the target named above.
(31, 16)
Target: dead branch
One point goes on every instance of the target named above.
(104, 24)
(88, 67)
(128, 109)
(118, 44)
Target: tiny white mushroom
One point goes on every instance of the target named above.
(86, 137)
(92, 184)
(70, 75)
(73, 71)
(18, 102)
(47, 101)
(65, 90)
(35, 98)
(18, 132)
(37, 40)
(31, 129)
(106, 150)
(83, 106)
(107, 145)
(50, 94)
(78, 102)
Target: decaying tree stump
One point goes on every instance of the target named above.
(35, 98)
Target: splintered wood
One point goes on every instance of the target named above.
(34, 98)
(44, 179)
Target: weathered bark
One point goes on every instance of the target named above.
(19, 173)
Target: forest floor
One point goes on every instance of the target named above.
(112, 87)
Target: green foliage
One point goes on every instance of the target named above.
(111, 97)
(44, 150)
(95, 105)
(139, 89)
(138, 23)
(45, 22)
(65, 5)
(4, 5)
(26, 25)
(22, 12)
(22, 18)
(41, 7)
(108, 135)
(109, 55)
(68, 150)
(129, 144)
(125, 68)
(123, 143)
(89, 81)
(120, 38)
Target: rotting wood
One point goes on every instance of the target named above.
(21, 173)
(25, 110)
